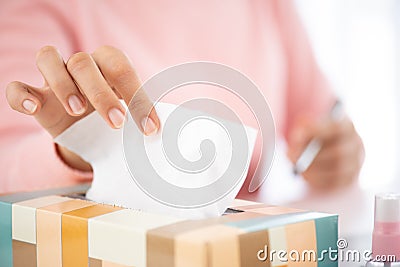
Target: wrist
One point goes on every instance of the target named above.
(72, 160)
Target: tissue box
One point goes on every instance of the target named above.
(54, 228)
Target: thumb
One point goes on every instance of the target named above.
(43, 105)
(24, 98)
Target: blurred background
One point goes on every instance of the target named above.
(357, 43)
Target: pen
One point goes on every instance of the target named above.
(313, 148)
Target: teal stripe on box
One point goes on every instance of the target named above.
(262, 223)
(5, 235)
(327, 236)
(326, 227)
(6, 256)
(17, 197)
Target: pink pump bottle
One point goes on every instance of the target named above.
(386, 235)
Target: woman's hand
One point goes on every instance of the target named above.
(86, 82)
(340, 159)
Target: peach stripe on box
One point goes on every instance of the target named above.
(301, 237)
(49, 231)
(24, 217)
(213, 246)
(250, 244)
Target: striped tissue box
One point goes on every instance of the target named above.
(54, 228)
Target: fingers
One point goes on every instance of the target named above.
(328, 132)
(23, 98)
(333, 131)
(144, 113)
(335, 155)
(340, 158)
(90, 80)
(79, 79)
(120, 75)
(330, 179)
(337, 164)
(117, 70)
(52, 67)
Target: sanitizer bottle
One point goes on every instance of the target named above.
(386, 235)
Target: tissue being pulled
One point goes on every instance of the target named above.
(193, 170)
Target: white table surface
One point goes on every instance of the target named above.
(354, 205)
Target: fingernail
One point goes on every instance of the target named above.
(116, 117)
(29, 105)
(148, 126)
(76, 105)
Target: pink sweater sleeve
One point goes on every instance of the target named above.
(28, 159)
(308, 92)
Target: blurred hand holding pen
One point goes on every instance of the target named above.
(314, 146)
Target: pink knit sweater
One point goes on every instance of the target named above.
(263, 39)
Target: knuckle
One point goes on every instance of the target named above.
(78, 61)
(11, 90)
(115, 61)
(337, 153)
(346, 127)
(122, 72)
(12, 86)
(342, 128)
(99, 98)
(44, 51)
(105, 48)
(339, 163)
(63, 87)
(337, 158)
(59, 86)
(336, 124)
(140, 105)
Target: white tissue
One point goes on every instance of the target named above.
(102, 147)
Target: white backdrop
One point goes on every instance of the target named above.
(357, 44)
